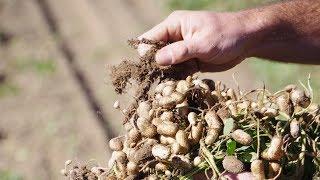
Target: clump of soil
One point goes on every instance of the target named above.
(82, 172)
(144, 72)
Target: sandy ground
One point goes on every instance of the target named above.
(46, 115)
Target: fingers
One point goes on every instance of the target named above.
(157, 33)
(210, 67)
(167, 30)
(174, 53)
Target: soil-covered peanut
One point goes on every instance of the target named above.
(273, 169)
(134, 135)
(143, 152)
(177, 97)
(232, 164)
(223, 113)
(167, 128)
(182, 162)
(167, 116)
(167, 102)
(241, 137)
(299, 97)
(288, 88)
(192, 118)
(197, 160)
(141, 122)
(159, 88)
(160, 151)
(294, 128)
(176, 148)
(196, 133)
(143, 109)
(132, 168)
(271, 112)
(183, 86)
(211, 137)
(168, 90)
(116, 144)
(257, 169)
(213, 120)
(275, 151)
(182, 139)
(285, 105)
(166, 140)
(182, 108)
(148, 130)
(156, 121)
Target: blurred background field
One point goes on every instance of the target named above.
(55, 95)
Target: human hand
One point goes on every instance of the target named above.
(216, 41)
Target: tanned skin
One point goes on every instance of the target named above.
(293, 34)
(287, 31)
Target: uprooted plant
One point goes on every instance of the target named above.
(183, 127)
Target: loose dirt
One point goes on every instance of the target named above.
(145, 72)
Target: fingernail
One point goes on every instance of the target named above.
(164, 57)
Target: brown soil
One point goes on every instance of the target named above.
(82, 173)
(145, 72)
(142, 71)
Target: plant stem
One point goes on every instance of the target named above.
(218, 145)
(209, 157)
(258, 137)
(197, 169)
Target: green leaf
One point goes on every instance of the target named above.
(228, 126)
(231, 147)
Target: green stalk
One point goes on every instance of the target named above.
(209, 157)
(194, 171)
(258, 137)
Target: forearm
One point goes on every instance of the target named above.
(288, 31)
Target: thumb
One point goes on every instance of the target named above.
(174, 53)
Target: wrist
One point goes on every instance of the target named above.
(258, 24)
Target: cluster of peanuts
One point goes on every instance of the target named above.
(172, 132)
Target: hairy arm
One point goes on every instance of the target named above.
(287, 31)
